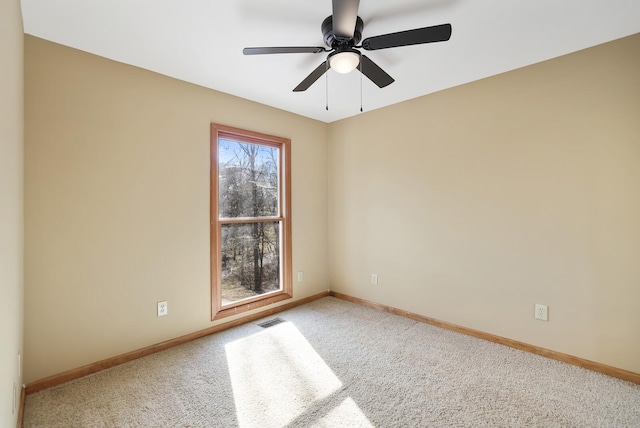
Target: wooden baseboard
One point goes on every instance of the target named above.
(72, 374)
(21, 407)
(570, 359)
(79, 372)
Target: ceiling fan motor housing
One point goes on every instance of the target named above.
(334, 42)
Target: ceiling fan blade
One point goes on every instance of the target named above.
(311, 78)
(282, 50)
(437, 33)
(375, 73)
(345, 13)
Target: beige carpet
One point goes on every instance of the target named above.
(336, 364)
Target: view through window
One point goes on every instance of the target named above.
(250, 226)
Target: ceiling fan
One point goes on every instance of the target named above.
(342, 32)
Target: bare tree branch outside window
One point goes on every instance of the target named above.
(248, 188)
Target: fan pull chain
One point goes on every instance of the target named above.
(360, 85)
(326, 79)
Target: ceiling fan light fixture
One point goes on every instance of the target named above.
(345, 61)
(342, 33)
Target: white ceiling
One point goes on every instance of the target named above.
(201, 41)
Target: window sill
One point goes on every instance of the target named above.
(244, 307)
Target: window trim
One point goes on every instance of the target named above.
(284, 145)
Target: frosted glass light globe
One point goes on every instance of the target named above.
(344, 62)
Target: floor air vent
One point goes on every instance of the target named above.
(271, 323)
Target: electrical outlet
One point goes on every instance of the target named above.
(162, 308)
(374, 278)
(300, 276)
(542, 312)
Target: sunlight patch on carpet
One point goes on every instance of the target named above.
(346, 414)
(275, 375)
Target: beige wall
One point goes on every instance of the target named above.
(117, 204)
(475, 203)
(471, 204)
(11, 193)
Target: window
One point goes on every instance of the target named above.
(250, 220)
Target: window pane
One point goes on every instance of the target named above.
(248, 179)
(250, 260)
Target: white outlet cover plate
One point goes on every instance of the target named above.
(162, 308)
(542, 312)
